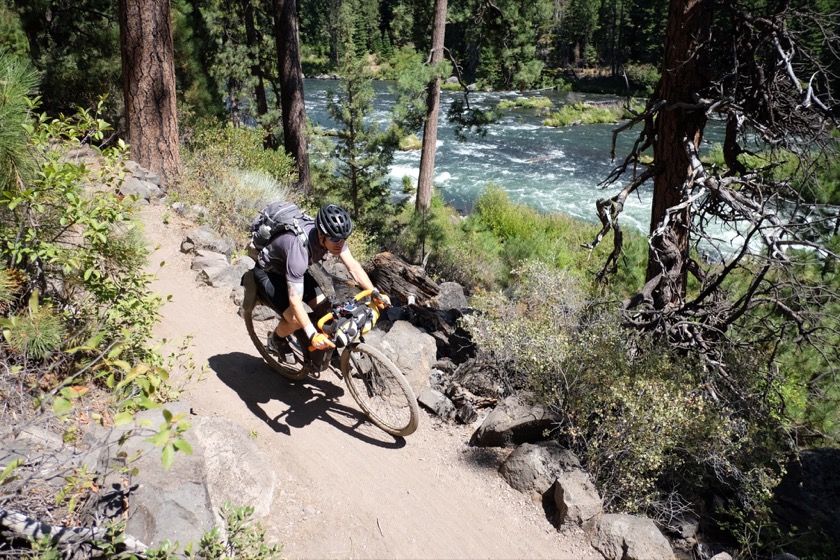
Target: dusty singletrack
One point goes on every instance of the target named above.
(344, 489)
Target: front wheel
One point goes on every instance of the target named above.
(380, 389)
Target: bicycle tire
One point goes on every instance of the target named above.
(292, 372)
(380, 389)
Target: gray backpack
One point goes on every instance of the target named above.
(278, 218)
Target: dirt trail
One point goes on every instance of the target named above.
(345, 489)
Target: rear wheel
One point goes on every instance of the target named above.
(292, 372)
(380, 389)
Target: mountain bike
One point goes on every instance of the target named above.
(374, 381)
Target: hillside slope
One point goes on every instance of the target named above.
(345, 489)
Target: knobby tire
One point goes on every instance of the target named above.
(380, 389)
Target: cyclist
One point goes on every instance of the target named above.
(282, 271)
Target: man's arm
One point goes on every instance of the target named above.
(355, 269)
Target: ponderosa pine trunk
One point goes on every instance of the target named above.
(689, 27)
(425, 180)
(149, 85)
(291, 87)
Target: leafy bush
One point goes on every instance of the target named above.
(525, 103)
(656, 431)
(480, 250)
(228, 172)
(583, 113)
(643, 77)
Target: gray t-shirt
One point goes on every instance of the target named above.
(286, 255)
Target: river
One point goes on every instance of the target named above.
(549, 169)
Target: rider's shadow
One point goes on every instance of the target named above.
(307, 401)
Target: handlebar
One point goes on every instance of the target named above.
(352, 318)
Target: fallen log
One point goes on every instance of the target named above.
(400, 280)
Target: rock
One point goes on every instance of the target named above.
(133, 186)
(184, 502)
(437, 403)
(214, 270)
(412, 350)
(451, 297)
(473, 376)
(514, 422)
(808, 495)
(204, 238)
(575, 498)
(534, 467)
(208, 259)
(627, 537)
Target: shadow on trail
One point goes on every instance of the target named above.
(308, 400)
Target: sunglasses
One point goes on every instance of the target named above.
(336, 239)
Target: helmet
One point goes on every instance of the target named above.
(334, 221)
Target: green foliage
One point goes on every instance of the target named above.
(361, 153)
(228, 172)
(76, 51)
(17, 80)
(642, 77)
(35, 333)
(647, 423)
(12, 36)
(481, 250)
(66, 223)
(525, 103)
(584, 113)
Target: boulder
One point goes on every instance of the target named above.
(451, 297)
(515, 421)
(808, 495)
(576, 499)
(204, 238)
(437, 403)
(533, 468)
(412, 350)
(183, 502)
(627, 537)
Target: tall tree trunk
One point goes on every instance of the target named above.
(425, 181)
(689, 27)
(291, 87)
(149, 85)
(252, 40)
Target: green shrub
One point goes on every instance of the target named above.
(36, 332)
(643, 77)
(584, 113)
(525, 103)
(480, 251)
(227, 171)
(655, 429)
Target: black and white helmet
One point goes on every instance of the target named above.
(334, 221)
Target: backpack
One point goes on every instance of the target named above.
(275, 219)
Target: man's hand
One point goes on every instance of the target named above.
(321, 342)
(382, 300)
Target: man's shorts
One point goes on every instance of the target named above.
(274, 287)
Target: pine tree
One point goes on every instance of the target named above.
(362, 152)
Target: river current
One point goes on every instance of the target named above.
(549, 169)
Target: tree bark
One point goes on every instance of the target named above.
(425, 181)
(252, 41)
(149, 85)
(689, 27)
(291, 87)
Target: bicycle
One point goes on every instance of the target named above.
(374, 381)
